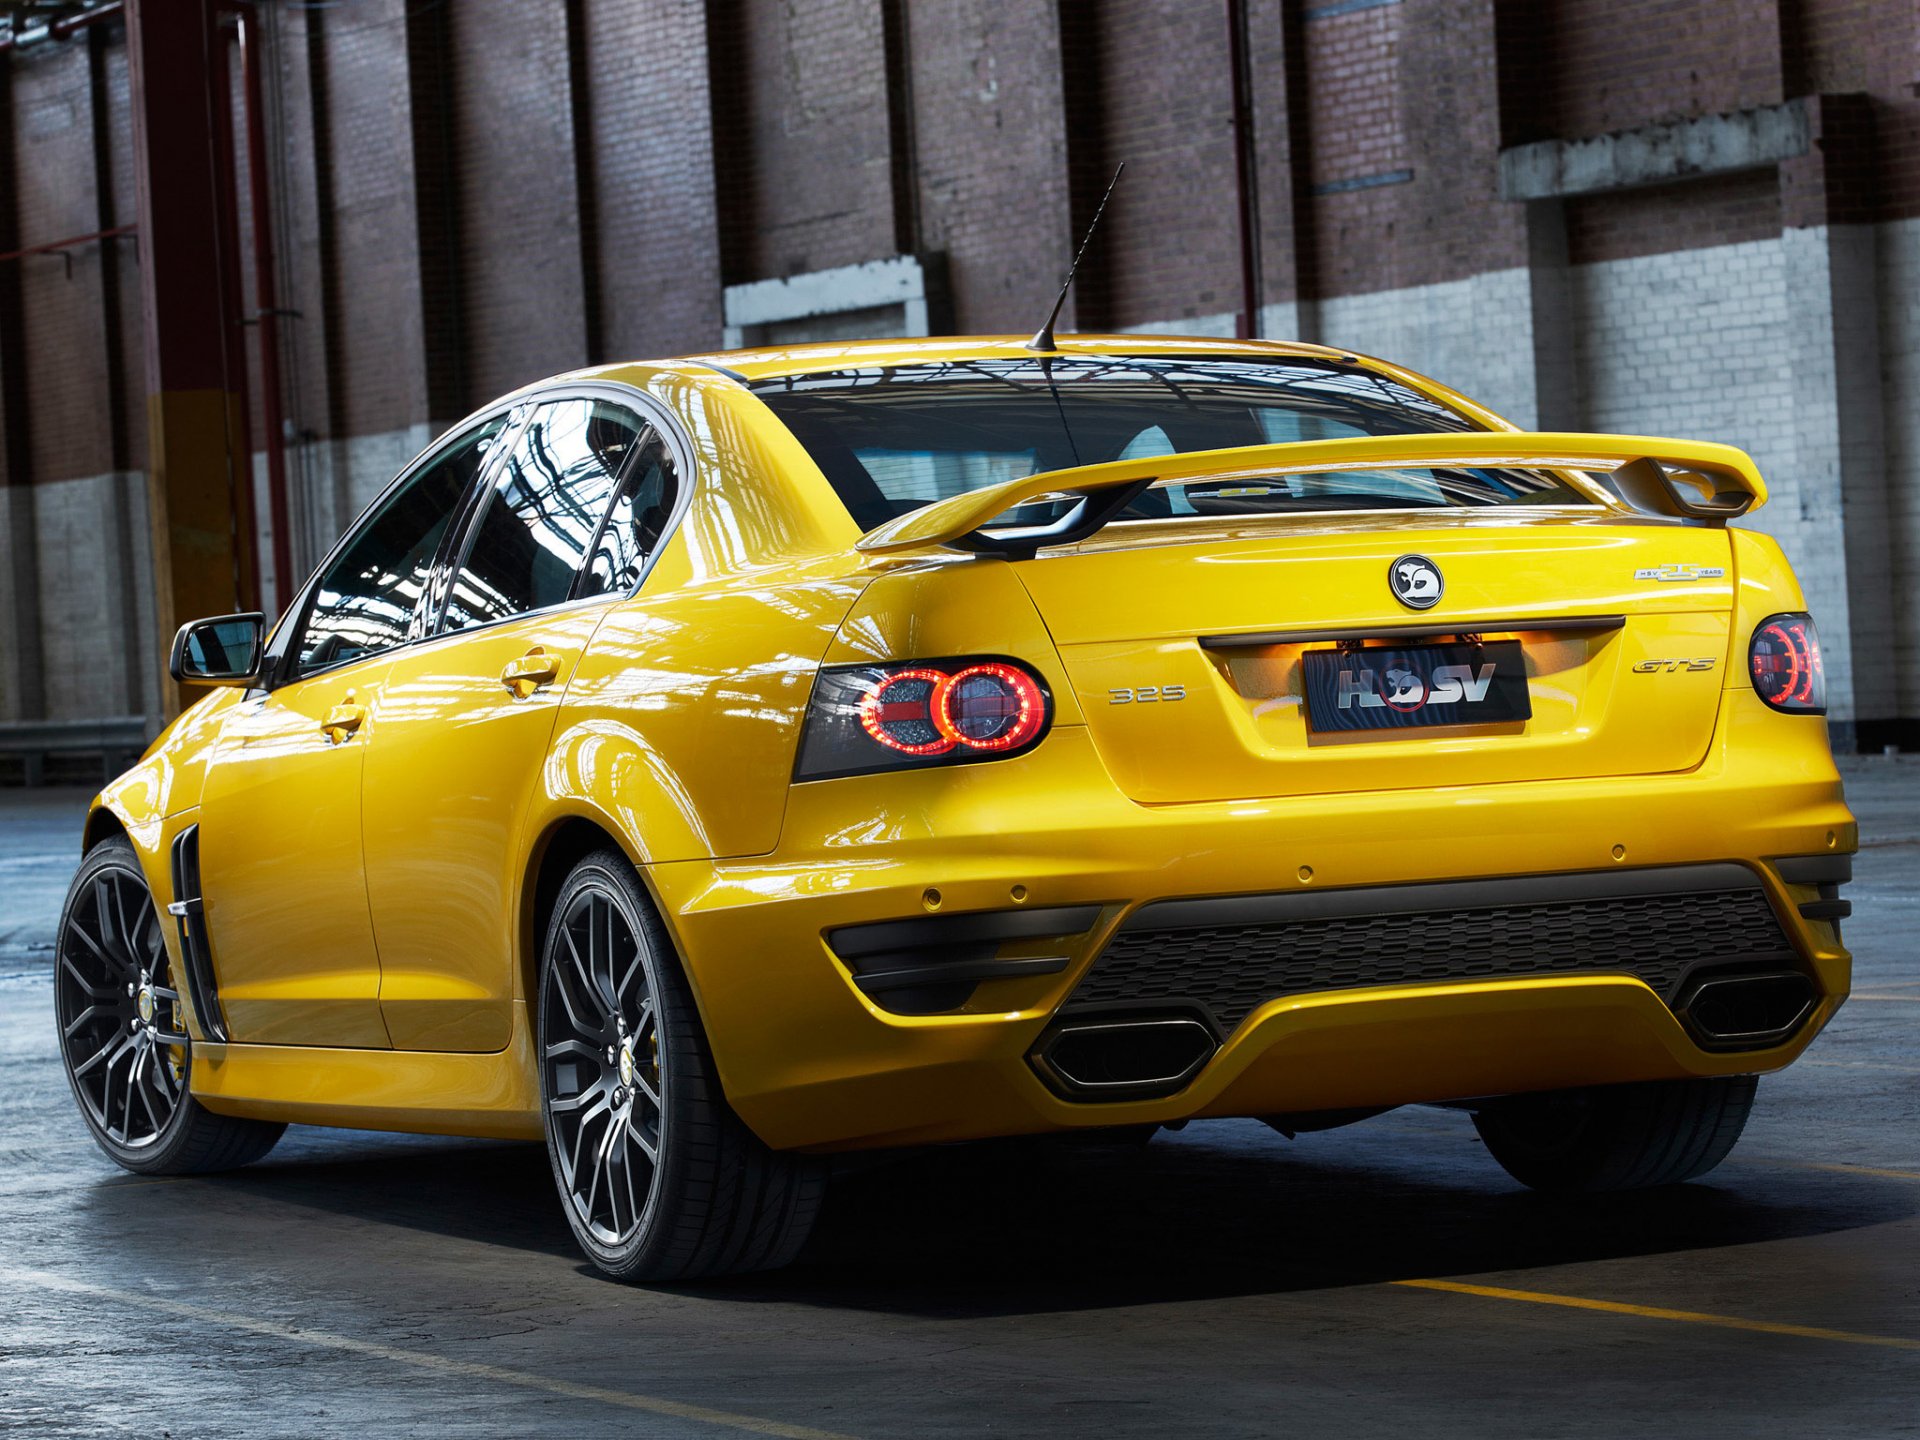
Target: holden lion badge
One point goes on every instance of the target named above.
(1416, 582)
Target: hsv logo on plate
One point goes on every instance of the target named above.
(1416, 582)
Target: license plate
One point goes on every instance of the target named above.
(1416, 685)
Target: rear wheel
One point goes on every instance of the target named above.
(1617, 1137)
(659, 1178)
(123, 1038)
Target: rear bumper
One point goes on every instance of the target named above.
(809, 1060)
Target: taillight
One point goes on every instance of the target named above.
(1783, 659)
(930, 712)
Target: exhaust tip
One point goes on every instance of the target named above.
(1748, 1012)
(1130, 1058)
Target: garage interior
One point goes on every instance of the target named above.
(255, 254)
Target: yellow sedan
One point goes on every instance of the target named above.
(706, 766)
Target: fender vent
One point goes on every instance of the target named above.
(189, 920)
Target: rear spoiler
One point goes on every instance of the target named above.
(1690, 480)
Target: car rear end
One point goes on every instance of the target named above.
(1283, 795)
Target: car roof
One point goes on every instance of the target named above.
(726, 368)
(773, 362)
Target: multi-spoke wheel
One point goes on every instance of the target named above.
(123, 1033)
(659, 1178)
(603, 1068)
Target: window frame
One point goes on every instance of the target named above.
(276, 666)
(466, 530)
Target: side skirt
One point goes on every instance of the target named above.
(495, 1095)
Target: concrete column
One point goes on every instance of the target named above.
(1549, 319)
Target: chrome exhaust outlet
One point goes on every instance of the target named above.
(1131, 1057)
(1748, 1012)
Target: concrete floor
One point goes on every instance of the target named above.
(1221, 1281)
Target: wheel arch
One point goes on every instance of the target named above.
(562, 841)
(103, 823)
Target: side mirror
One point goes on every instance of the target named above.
(222, 651)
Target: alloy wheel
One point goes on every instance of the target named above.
(121, 1029)
(600, 1045)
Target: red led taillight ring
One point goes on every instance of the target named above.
(874, 720)
(1030, 712)
(1786, 650)
(1788, 675)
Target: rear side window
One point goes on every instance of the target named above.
(535, 527)
(636, 523)
(365, 601)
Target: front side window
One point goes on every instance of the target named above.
(535, 527)
(365, 600)
(893, 438)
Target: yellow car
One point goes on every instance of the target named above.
(711, 765)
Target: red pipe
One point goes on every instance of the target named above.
(68, 243)
(63, 29)
(266, 304)
(1247, 323)
(233, 351)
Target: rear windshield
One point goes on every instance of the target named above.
(894, 438)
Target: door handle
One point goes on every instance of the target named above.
(342, 721)
(531, 671)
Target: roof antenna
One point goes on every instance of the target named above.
(1043, 337)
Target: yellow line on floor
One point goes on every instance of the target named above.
(421, 1359)
(1655, 1312)
(1873, 995)
(1843, 1169)
(1864, 1065)
(1836, 1167)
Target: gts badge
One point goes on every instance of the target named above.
(1665, 667)
(1145, 694)
(1669, 574)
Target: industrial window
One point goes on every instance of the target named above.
(534, 529)
(365, 600)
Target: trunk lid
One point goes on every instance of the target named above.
(1614, 617)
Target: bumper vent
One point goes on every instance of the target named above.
(1234, 954)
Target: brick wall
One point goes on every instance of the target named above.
(990, 147)
(470, 196)
(802, 136)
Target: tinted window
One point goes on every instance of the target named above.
(366, 598)
(535, 528)
(636, 523)
(891, 439)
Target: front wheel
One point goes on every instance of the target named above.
(1617, 1137)
(659, 1178)
(123, 1038)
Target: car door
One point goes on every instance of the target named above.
(462, 723)
(281, 856)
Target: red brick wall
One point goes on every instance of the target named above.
(63, 316)
(363, 332)
(802, 149)
(990, 145)
(649, 112)
(1624, 63)
(516, 204)
(1717, 211)
(477, 194)
(1169, 246)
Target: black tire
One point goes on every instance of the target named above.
(122, 1036)
(1617, 1137)
(716, 1200)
